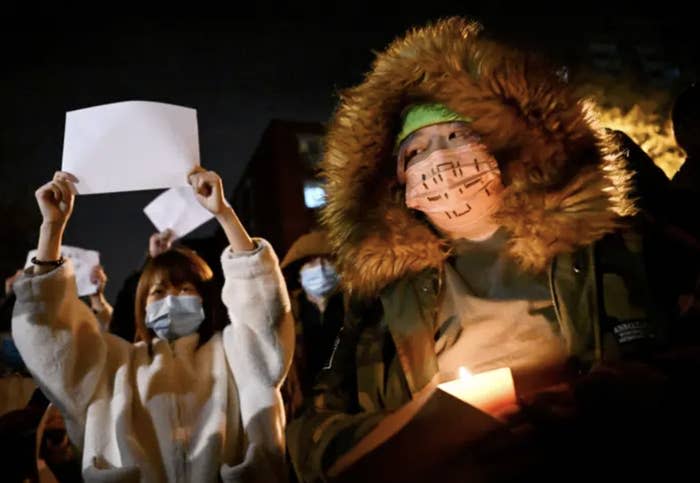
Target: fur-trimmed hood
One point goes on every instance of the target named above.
(566, 182)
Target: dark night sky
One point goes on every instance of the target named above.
(239, 73)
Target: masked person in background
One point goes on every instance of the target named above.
(318, 306)
(184, 403)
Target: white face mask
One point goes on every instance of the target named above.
(319, 280)
(175, 316)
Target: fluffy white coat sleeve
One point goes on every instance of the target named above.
(60, 341)
(259, 344)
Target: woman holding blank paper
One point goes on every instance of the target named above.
(476, 210)
(184, 403)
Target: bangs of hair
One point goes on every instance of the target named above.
(178, 266)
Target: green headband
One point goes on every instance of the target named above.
(418, 116)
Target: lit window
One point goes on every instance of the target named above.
(314, 194)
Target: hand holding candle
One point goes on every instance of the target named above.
(489, 391)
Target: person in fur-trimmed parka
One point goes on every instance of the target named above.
(480, 218)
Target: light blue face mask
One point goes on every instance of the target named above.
(319, 280)
(175, 316)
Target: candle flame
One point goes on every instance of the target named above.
(464, 373)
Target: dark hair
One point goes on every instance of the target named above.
(179, 265)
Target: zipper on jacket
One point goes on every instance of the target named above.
(552, 294)
(182, 437)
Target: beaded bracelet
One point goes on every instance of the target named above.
(48, 263)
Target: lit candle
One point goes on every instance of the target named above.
(488, 391)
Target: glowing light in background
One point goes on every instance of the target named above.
(314, 194)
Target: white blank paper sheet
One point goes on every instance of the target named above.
(132, 145)
(177, 209)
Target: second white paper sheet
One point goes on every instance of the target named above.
(177, 209)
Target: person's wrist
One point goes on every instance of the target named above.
(225, 214)
(50, 239)
(53, 226)
(97, 300)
